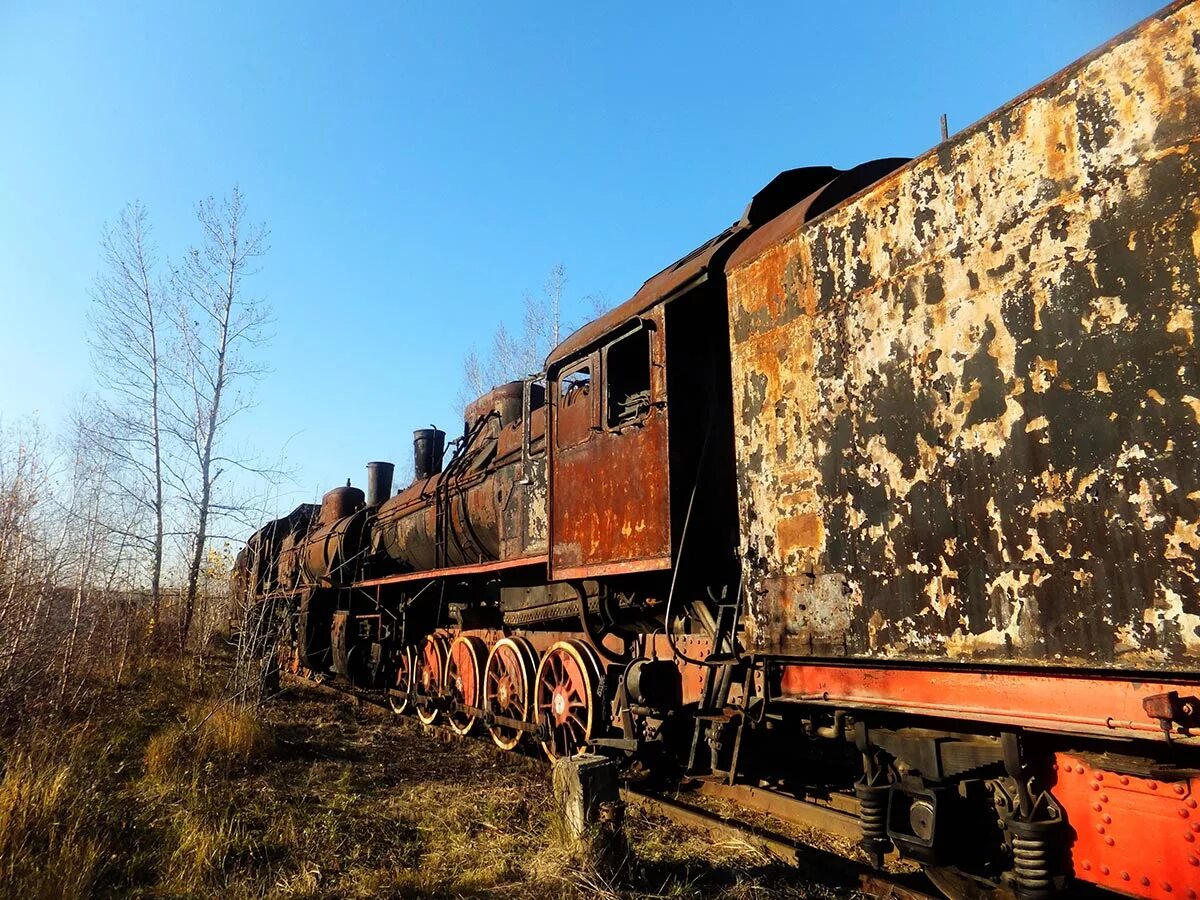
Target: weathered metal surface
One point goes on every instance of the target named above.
(341, 502)
(379, 481)
(479, 569)
(291, 560)
(269, 561)
(333, 550)
(487, 506)
(429, 444)
(610, 505)
(966, 401)
(525, 525)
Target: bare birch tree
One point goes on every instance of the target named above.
(543, 326)
(131, 337)
(220, 325)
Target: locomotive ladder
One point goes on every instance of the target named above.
(718, 677)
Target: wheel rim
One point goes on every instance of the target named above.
(430, 669)
(403, 682)
(508, 683)
(565, 697)
(464, 677)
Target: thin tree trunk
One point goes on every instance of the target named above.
(193, 579)
(90, 542)
(156, 437)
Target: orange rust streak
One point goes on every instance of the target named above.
(769, 271)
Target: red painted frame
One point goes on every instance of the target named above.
(1057, 701)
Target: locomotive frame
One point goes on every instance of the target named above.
(886, 493)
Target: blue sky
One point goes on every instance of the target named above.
(422, 166)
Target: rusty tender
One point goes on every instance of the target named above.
(886, 498)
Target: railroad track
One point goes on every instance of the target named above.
(813, 862)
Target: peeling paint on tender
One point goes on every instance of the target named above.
(972, 393)
(1181, 321)
(1194, 404)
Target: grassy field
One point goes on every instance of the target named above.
(165, 791)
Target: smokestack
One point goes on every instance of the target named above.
(379, 482)
(428, 446)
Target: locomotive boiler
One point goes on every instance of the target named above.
(480, 507)
(884, 500)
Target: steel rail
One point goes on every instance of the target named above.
(823, 865)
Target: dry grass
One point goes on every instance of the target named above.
(46, 847)
(216, 736)
(230, 735)
(170, 795)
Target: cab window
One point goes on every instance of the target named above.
(573, 416)
(627, 373)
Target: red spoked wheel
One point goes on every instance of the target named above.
(464, 680)
(403, 682)
(565, 697)
(508, 687)
(430, 671)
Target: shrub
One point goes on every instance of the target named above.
(229, 735)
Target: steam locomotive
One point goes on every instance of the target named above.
(884, 499)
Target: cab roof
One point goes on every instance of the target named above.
(783, 192)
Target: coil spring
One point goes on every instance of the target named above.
(872, 813)
(1033, 866)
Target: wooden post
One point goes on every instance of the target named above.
(588, 799)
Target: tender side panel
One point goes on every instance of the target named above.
(967, 403)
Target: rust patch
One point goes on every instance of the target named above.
(806, 531)
(610, 505)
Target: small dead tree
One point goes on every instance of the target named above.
(131, 338)
(103, 529)
(85, 490)
(36, 557)
(25, 552)
(221, 326)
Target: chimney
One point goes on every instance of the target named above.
(428, 446)
(379, 482)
